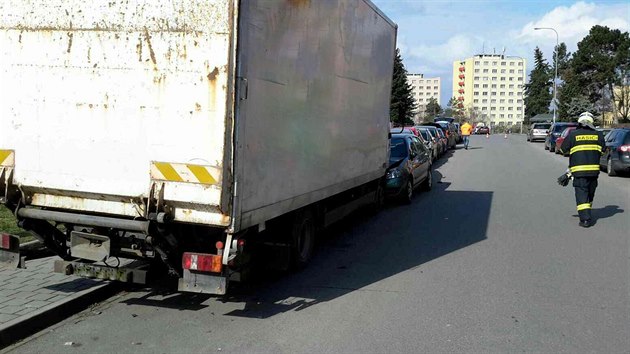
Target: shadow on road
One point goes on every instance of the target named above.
(606, 212)
(356, 255)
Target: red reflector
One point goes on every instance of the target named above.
(241, 243)
(6, 242)
(202, 262)
(219, 245)
(624, 148)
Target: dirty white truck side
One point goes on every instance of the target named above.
(178, 131)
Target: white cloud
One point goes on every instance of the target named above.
(573, 23)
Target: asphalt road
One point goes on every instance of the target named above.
(491, 260)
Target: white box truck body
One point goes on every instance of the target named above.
(130, 117)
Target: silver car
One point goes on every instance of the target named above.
(538, 131)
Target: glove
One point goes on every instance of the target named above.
(564, 179)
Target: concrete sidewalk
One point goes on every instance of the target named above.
(35, 297)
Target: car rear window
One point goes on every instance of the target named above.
(398, 148)
(542, 126)
(559, 128)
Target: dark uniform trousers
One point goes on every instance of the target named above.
(584, 194)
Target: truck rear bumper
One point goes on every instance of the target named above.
(198, 282)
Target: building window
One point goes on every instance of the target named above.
(502, 115)
(476, 85)
(511, 86)
(502, 78)
(485, 70)
(485, 62)
(503, 63)
(520, 63)
(484, 108)
(511, 79)
(476, 78)
(476, 93)
(435, 87)
(476, 101)
(493, 108)
(477, 62)
(484, 101)
(519, 101)
(493, 101)
(502, 93)
(494, 63)
(510, 108)
(510, 101)
(518, 108)
(501, 108)
(502, 101)
(502, 86)
(494, 93)
(511, 71)
(519, 78)
(520, 71)
(519, 93)
(494, 85)
(494, 71)
(509, 123)
(485, 78)
(435, 81)
(511, 93)
(494, 78)
(485, 85)
(476, 71)
(484, 93)
(501, 124)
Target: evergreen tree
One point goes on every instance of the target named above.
(402, 104)
(433, 108)
(601, 62)
(538, 89)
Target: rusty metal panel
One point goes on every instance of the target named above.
(316, 118)
(94, 91)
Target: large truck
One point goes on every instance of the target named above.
(185, 133)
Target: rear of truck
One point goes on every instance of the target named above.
(174, 131)
(115, 124)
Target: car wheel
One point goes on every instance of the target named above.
(408, 192)
(609, 168)
(428, 182)
(302, 239)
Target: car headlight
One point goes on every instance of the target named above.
(391, 174)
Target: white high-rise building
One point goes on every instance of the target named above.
(423, 90)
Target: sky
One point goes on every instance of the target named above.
(434, 33)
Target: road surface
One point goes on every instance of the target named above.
(491, 260)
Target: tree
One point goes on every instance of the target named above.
(402, 104)
(622, 102)
(433, 108)
(455, 108)
(577, 105)
(602, 62)
(537, 90)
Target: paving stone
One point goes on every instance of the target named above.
(37, 304)
(10, 310)
(6, 293)
(25, 311)
(41, 296)
(6, 318)
(16, 302)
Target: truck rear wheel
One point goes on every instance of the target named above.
(302, 240)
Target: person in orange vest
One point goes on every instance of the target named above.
(466, 129)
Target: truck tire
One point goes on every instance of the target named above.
(302, 239)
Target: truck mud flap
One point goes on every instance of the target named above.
(135, 272)
(10, 252)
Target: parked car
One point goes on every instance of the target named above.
(482, 130)
(438, 141)
(444, 127)
(443, 140)
(431, 142)
(460, 138)
(561, 138)
(410, 167)
(616, 155)
(452, 132)
(554, 132)
(538, 131)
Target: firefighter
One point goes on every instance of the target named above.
(585, 145)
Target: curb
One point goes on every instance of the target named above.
(32, 323)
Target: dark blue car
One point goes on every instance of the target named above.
(616, 155)
(555, 131)
(409, 167)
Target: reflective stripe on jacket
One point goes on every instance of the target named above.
(585, 146)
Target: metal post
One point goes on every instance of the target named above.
(555, 80)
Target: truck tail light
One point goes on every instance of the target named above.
(7, 242)
(624, 148)
(202, 262)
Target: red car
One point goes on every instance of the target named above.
(560, 139)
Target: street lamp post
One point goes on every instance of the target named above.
(556, 76)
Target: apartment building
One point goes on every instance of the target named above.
(490, 88)
(423, 89)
